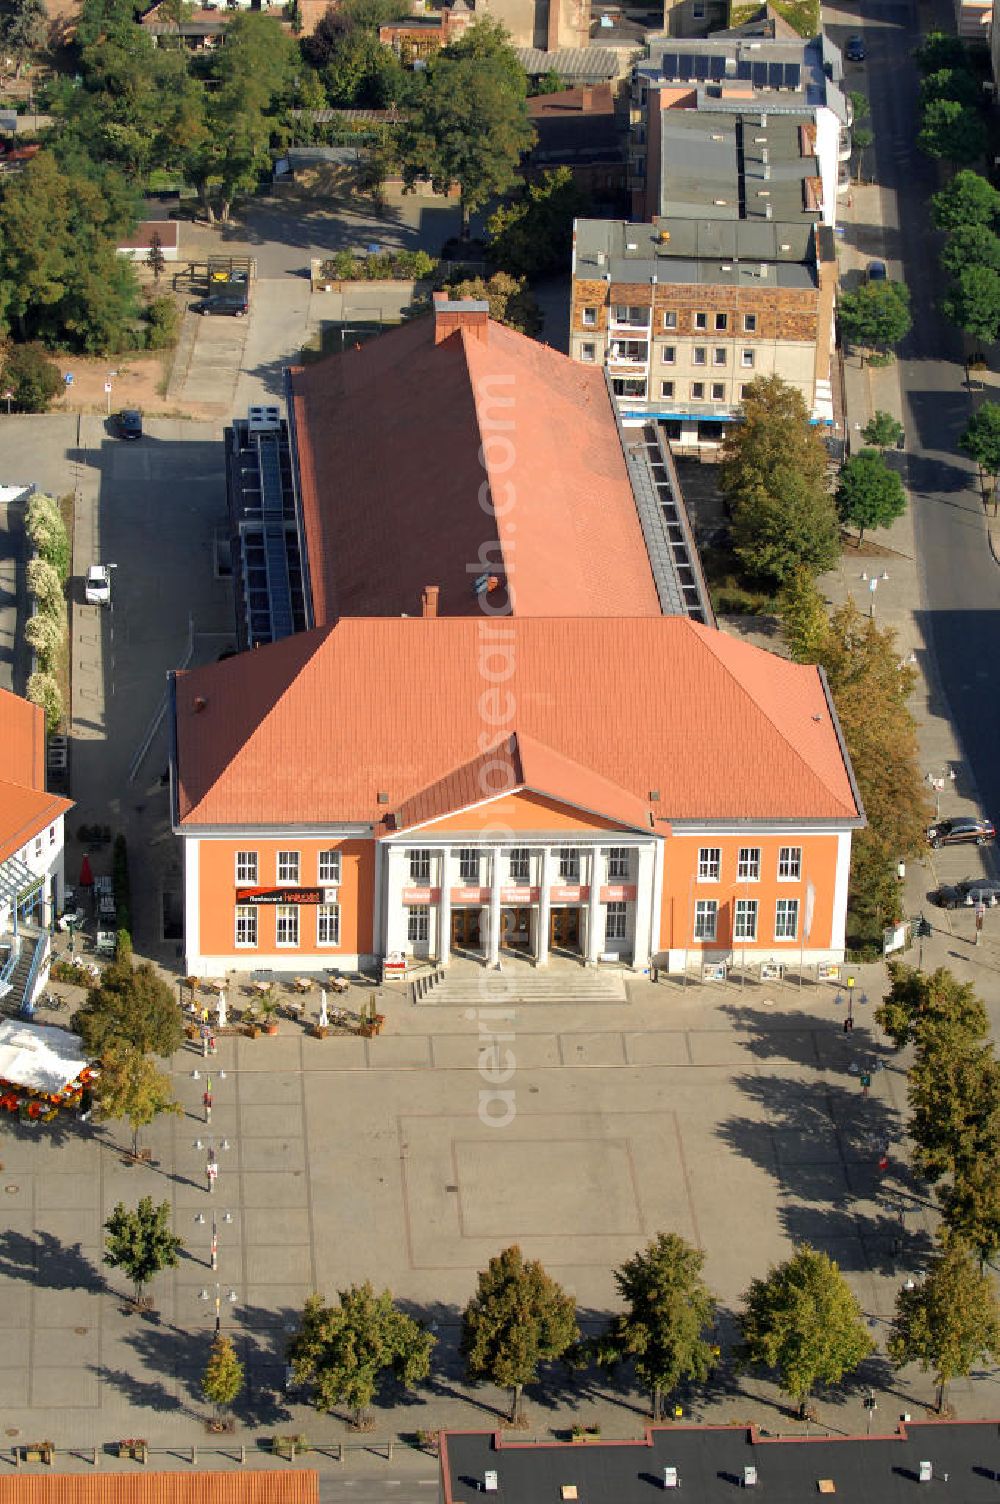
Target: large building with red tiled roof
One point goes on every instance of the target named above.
(31, 845)
(493, 715)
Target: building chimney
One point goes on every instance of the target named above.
(429, 600)
(469, 314)
(586, 99)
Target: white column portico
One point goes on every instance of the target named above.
(493, 953)
(444, 908)
(645, 889)
(544, 906)
(594, 933)
(396, 880)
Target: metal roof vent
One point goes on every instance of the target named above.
(763, 267)
(490, 1482)
(784, 246)
(654, 795)
(383, 798)
(768, 211)
(631, 245)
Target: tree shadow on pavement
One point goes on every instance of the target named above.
(800, 1038)
(47, 1262)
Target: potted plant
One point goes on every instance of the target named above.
(267, 1009)
(251, 1022)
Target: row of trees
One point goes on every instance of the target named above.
(952, 119)
(47, 630)
(968, 209)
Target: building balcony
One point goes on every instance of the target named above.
(632, 356)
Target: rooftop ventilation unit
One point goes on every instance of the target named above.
(764, 154)
(601, 258)
(720, 203)
(718, 136)
(763, 268)
(760, 140)
(491, 1482)
(727, 266)
(767, 173)
(263, 417)
(767, 211)
(749, 1477)
(670, 1479)
(926, 1472)
(631, 245)
(763, 119)
(784, 246)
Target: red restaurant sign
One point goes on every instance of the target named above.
(574, 894)
(470, 895)
(519, 895)
(618, 893)
(421, 895)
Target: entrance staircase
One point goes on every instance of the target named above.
(466, 985)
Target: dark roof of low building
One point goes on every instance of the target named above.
(575, 124)
(710, 1463)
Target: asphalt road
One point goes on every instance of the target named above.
(960, 582)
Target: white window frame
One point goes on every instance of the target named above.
(246, 870)
(616, 921)
(418, 924)
(619, 863)
(720, 355)
(327, 917)
(519, 864)
(721, 323)
(747, 359)
(289, 868)
(469, 865)
(706, 918)
(699, 355)
(670, 318)
(748, 864)
(569, 864)
(420, 864)
(52, 835)
(790, 857)
(666, 389)
(709, 864)
(38, 846)
(668, 355)
(286, 917)
(246, 920)
(745, 919)
(749, 323)
(588, 351)
(328, 866)
(718, 391)
(785, 910)
(619, 384)
(697, 391)
(589, 318)
(701, 321)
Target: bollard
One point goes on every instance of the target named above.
(388, 1451)
(194, 1456)
(96, 1455)
(16, 1454)
(243, 1454)
(340, 1451)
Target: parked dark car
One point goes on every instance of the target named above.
(232, 304)
(969, 894)
(130, 423)
(877, 271)
(961, 831)
(854, 49)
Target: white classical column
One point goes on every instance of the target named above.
(444, 908)
(395, 914)
(644, 888)
(594, 907)
(493, 954)
(544, 906)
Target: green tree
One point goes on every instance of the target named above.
(971, 245)
(32, 376)
(869, 494)
(488, 41)
(918, 1002)
(24, 29)
(533, 235)
(884, 431)
(163, 323)
(980, 439)
(133, 1006)
(130, 1086)
(518, 1318)
(970, 1206)
(510, 299)
(155, 258)
(46, 586)
(950, 83)
(45, 636)
(876, 315)
(804, 1322)
(948, 1321)
(941, 49)
(345, 1351)
(952, 131)
(973, 302)
(803, 616)
(668, 1311)
(969, 199)
(43, 689)
(223, 1379)
(140, 1243)
(45, 528)
(469, 127)
(954, 1095)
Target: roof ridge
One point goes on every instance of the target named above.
(703, 633)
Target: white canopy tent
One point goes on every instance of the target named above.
(40, 1059)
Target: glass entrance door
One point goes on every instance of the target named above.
(564, 930)
(515, 929)
(465, 929)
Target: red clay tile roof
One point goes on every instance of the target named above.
(390, 439)
(290, 1486)
(313, 728)
(25, 807)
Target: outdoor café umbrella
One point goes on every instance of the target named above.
(323, 1017)
(86, 875)
(221, 1007)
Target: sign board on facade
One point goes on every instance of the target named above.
(571, 893)
(618, 893)
(519, 895)
(470, 895)
(421, 895)
(280, 895)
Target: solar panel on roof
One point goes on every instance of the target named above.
(793, 75)
(775, 75)
(670, 65)
(743, 69)
(701, 67)
(717, 67)
(759, 75)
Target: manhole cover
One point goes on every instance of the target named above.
(12, 1431)
(451, 1187)
(81, 1331)
(12, 1190)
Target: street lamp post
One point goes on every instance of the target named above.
(873, 584)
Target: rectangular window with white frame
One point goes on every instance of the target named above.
(418, 924)
(468, 864)
(569, 865)
(697, 391)
(246, 867)
(666, 389)
(38, 846)
(519, 864)
(748, 864)
(789, 864)
(588, 351)
(786, 919)
(668, 355)
(590, 318)
(328, 924)
(701, 321)
(670, 318)
(721, 323)
(699, 355)
(420, 866)
(706, 917)
(749, 323)
(52, 835)
(618, 863)
(288, 866)
(746, 359)
(718, 391)
(287, 924)
(746, 919)
(329, 866)
(709, 864)
(246, 924)
(720, 355)
(615, 922)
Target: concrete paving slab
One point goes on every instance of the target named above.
(393, 1053)
(276, 1264)
(18, 1191)
(710, 1047)
(56, 1388)
(13, 1386)
(336, 1052)
(583, 1188)
(81, 1228)
(15, 1303)
(260, 1226)
(592, 1049)
(271, 1088)
(271, 1154)
(261, 1120)
(274, 1189)
(662, 1047)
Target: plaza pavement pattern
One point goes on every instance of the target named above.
(731, 1117)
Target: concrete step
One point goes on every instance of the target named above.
(472, 988)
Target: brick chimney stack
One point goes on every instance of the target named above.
(429, 600)
(469, 314)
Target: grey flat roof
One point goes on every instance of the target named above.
(732, 167)
(797, 74)
(710, 1463)
(708, 252)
